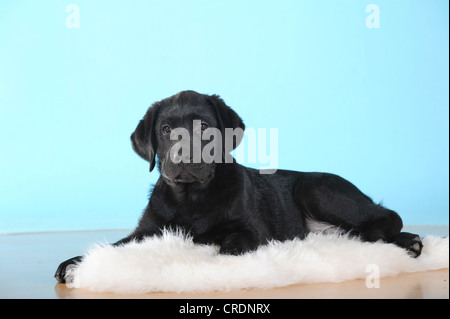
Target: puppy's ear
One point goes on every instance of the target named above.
(227, 118)
(143, 138)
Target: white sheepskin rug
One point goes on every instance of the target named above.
(173, 263)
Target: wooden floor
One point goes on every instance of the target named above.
(28, 262)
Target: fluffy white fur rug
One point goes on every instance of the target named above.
(173, 263)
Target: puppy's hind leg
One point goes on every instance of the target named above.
(410, 242)
(381, 224)
(331, 199)
(386, 227)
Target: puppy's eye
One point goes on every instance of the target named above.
(165, 129)
(204, 126)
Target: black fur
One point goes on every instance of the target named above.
(236, 207)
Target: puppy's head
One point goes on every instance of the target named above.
(187, 133)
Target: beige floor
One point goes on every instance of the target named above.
(28, 262)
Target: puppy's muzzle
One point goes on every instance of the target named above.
(186, 178)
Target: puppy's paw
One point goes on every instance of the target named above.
(61, 272)
(410, 242)
(235, 244)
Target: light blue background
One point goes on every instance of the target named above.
(371, 105)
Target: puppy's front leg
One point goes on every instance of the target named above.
(60, 274)
(238, 243)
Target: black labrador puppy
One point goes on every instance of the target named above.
(238, 208)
